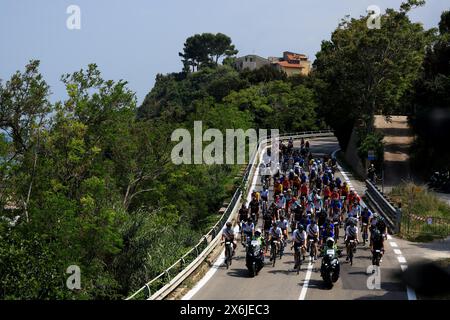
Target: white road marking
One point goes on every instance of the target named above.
(404, 267)
(393, 244)
(401, 259)
(397, 251)
(207, 276)
(389, 237)
(411, 293)
(306, 282)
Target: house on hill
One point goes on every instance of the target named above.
(291, 63)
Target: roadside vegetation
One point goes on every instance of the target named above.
(424, 215)
(91, 180)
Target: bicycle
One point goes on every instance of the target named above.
(228, 253)
(312, 249)
(336, 230)
(365, 233)
(273, 251)
(350, 248)
(299, 256)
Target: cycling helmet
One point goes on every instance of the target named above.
(274, 224)
(229, 224)
(330, 242)
(258, 232)
(300, 227)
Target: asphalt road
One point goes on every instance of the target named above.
(282, 283)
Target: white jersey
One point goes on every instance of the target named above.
(228, 233)
(312, 229)
(248, 227)
(275, 232)
(283, 224)
(351, 231)
(298, 236)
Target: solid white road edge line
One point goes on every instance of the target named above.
(207, 276)
(306, 282)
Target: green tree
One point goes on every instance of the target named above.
(431, 102)
(206, 49)
(361, 72)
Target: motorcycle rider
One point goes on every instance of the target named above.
(258, 237)
(330, 245)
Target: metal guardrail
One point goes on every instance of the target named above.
(382, 204)
(166, 282)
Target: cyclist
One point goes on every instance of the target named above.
(243, 216)
(228, 234)
(366, 214)
(275, 235)
(327, 231)
(299, 240)
(312, 231)
(283, 224)
(377, 242)
(267, 222)
(265, 198)
(351, 233)
(254, 209)
(278, 187)
(249, 228)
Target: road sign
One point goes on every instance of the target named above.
(371, 155)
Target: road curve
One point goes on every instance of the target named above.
(281, 283)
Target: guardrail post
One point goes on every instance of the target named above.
(398, 219)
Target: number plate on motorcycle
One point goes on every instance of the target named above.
(254, 242)
(330, 252)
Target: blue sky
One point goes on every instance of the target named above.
(136, 39)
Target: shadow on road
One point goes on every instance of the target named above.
(317, 284)
(240, 273)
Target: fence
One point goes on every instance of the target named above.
(405, 223)
(172, 277)
(418, 226)
(383, 205)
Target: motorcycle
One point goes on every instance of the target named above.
(440, 181)
(330, 267)
(254, 258)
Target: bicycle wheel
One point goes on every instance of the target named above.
(273, 252)
(351, 255)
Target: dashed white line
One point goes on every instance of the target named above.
(401, 259)
(397, 251)
(306, 282)
(393, 244)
